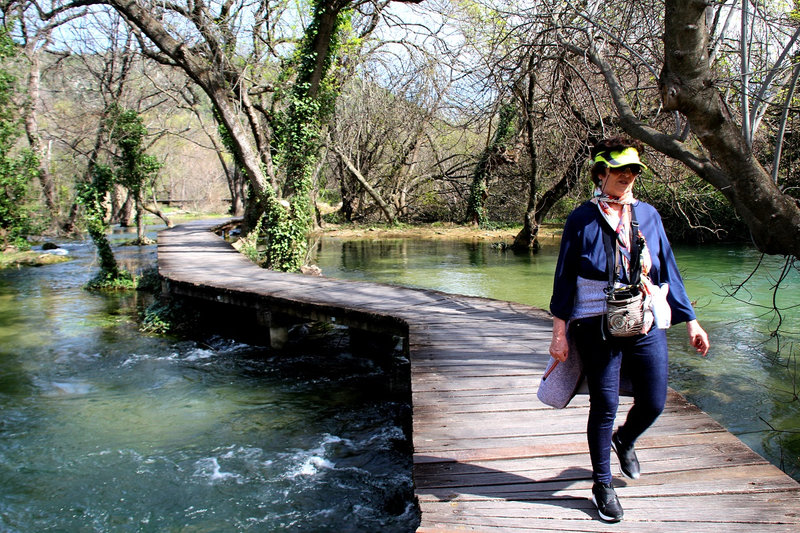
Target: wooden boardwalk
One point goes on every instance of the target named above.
(487, 455)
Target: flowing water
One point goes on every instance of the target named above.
(747, 381)
(103, 428)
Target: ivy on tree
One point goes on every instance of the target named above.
(310, 101)
(133, 169)
(492, 156)
(17, 168)
(92, 196)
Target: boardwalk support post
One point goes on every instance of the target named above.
(276, 325)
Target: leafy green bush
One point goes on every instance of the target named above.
(17, 169)
(149, 281)
(158, 317)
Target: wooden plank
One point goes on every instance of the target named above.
(488, 456)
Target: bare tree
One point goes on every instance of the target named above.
(689, 86)
(35, 37)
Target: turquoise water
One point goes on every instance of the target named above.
(746, 382)
(103, 428)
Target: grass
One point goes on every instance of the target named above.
(436, 230)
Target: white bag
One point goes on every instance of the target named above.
(662, 314)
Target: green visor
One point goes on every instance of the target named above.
(628, 156)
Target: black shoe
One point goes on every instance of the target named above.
(606, 501)
(628, 462)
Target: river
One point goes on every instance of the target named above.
(103, 428)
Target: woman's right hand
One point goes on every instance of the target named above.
(559, 348)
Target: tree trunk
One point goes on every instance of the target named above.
(141, 237)
(526, 238)
(156, 211)
(346, 191)
(210, 79)
(375, 195)
(237, 184)
(34, 136)
(124, 214)
(687, 86)
(491, 156)
(69, 224)
(305, 113)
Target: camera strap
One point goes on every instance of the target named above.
(612, 254)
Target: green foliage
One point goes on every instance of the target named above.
(297, 132)
(92, 196)
(133, 168)
(168, 315)
(224, 134)
(17, 170)
(286, 233)
(160, 317)
(155, 320)
(248, 245)
(692, 210)
(122, 280)
(794, 14)
(149, 281)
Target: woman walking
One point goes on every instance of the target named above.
(614, 241)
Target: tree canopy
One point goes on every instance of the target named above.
(471, 110)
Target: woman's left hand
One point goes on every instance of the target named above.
(698, 337)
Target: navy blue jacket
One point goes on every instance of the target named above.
(584, 254)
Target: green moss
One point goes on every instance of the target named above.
(165, 316)
(121, 280)
(19, 258)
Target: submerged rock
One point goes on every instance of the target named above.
(311, 270)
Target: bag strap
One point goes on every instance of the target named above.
(637, 245)
(612, 254)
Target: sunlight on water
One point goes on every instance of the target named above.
(743, 383)
(103, 428)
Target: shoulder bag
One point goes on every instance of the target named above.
(624, 305)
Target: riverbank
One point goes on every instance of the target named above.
(433, 231)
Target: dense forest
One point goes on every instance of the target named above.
(294, 114)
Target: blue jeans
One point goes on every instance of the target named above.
(644, 359)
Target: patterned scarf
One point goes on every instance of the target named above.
(621, 224)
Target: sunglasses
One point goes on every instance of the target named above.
(635, 170)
